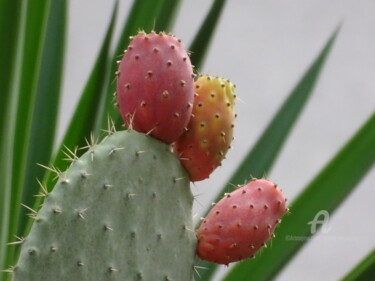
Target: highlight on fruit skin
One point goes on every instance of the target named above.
(155, 86)
(209, 134)
(241, 223)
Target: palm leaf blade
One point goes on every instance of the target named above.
(364, 270)
(45, 110)
(202, 39)
(16, 128)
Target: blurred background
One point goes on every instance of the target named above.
(264, 47)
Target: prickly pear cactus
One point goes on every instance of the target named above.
(120, 212)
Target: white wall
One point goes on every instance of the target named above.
(264, 47)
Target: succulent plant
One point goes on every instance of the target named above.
(32, 38)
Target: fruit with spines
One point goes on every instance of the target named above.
(209, 134)
(155, 86)
(241, 222)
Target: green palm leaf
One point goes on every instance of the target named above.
(45, 109)
(9, 24)
(20, 99)
(202, 39)
(82, 122)
(364, 270)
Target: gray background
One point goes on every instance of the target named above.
(264, 47)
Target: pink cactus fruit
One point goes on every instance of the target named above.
(209, 133)
(155, 86)
(241, 222)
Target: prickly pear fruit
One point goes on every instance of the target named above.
(241, 222)
(209, 133)
(155, 86)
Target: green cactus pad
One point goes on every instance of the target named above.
(120, 212)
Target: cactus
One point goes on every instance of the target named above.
(209, 134)
(37, 68)
(241, 223)
(155, 88)
(109, 217)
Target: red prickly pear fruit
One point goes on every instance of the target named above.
(209, 133)
(155, 86)
(241, 222)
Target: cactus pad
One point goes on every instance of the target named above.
(120, 212)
